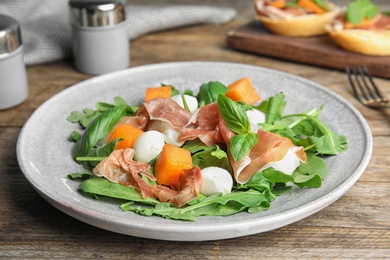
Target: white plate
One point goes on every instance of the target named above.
(44, 152)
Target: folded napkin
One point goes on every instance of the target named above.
(46, 31)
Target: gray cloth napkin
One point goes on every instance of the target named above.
(46, 31)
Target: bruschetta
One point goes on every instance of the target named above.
(300, 18)
(364, 33)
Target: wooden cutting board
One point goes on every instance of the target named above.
(318, 51)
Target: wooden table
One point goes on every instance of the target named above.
(355, 226)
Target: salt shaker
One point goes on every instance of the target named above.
(13, 78)
(100, 42)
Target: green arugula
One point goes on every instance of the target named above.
(213, 205)
(360, 9)
(205, 156)
(101, 186)
(303, 129)
(85, 117)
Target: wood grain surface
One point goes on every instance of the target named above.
(357, 226)
(319, 51)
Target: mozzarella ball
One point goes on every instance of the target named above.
(255, 116)
(216, 179)
(287, 165)
(170, 137)
(191, 101)
(148, 146)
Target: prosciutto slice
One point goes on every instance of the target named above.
(189, 188)
(141, 121)
(164, 110)
(203, 125)
(119, 167)
(270, 148)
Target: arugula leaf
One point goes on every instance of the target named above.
(275, 108)
(196, 145)
(311, 173)
(360, 9)
(99, 154)
(164, 210)
(249, 198)
(74, 136)
(85, 117)
(82, 175)
(213, 205)
(215, 157)
(208, 92)
(326, 141)
(276, 176)
(205, 156)
(101, 186)
(303, 129)
(262, 184)
(183, 99)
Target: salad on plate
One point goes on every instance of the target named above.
(217, 152)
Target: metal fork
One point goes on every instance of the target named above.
(365, 88)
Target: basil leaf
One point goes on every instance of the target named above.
(209, 92)
(97, 130)
(233, 115)
(322, 4)
(99, 152)
(360, 9)
(241, 144)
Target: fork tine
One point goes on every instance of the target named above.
(376, 90)
(364, 87)
(351, 82)
(359, 85)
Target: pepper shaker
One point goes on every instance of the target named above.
(13, 78)
(100, 42)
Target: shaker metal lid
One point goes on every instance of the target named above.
(87, 13)
(10, 38)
